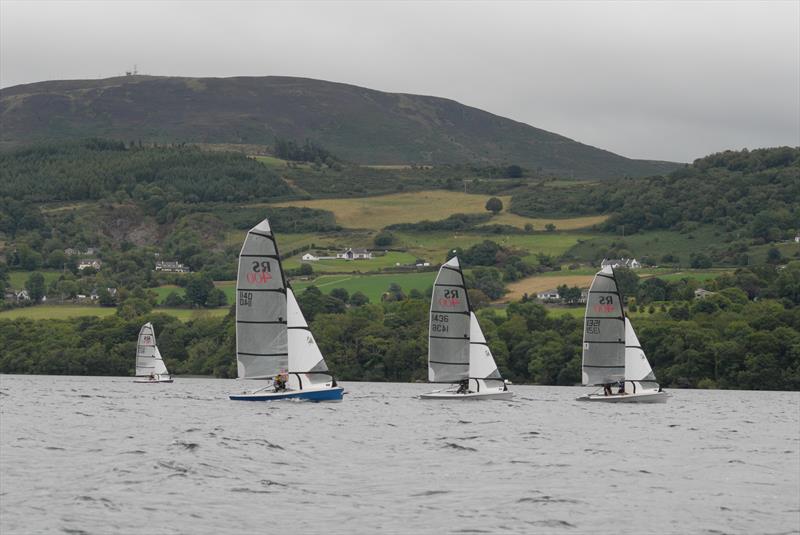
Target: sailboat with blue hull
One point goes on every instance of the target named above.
(273, 341)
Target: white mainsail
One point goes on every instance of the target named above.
(604, 331)
(448, 328)
(481, 361)
(261, 311)
(637, 367)
(148, 357)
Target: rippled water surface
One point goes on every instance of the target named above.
(103, 455)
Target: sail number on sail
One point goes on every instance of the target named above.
(246, 299)
(450, 298)
(261, 272)
(592, 326)
(606, 304)
(439, 323)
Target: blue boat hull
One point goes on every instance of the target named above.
(327, 394)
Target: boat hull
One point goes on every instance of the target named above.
(651, 396)
(319, 394)
(469, 396)
(148, 380)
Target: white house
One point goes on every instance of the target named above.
(797, 239)
(22, 295)
(171, 267)
(308, 257)
(354, 254)
(89, 263)
(548, 295)
(630, 263)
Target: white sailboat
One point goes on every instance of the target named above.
(457, 349)
(273, 341)
(612, 354)
(150, 367)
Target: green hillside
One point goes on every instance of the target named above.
(354, 123)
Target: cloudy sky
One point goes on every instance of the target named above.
(659, 80)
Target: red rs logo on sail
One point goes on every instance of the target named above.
(259, 278)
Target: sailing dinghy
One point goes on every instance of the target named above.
(150, 367)
(273, 341)
(612, 354)
(457, 349)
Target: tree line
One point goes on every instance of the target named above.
(728, 341)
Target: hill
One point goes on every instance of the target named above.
(357, 124)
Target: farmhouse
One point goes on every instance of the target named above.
(90, 263)
(548, 295)
(630, 263)
(355, 254)
(71, 251)
(308, 257)
(171, 267)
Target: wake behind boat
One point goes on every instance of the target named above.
(457, 349)
(150, 367)
(273, 341)
(612, 354)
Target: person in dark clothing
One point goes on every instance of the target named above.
(463, 387)
(607, 389)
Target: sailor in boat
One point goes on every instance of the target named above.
(152, 376)
(621, 387)
(463, 387)
(280, 381)
(607, 389)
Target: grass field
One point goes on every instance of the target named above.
(373, 286)
(347, 266)
(534, 285)
(60, 312)
(17, 279)
(378, 212)
(653, 244)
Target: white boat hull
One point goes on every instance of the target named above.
(156, 379)
(479, 389)
(473, 396)
(647, 396)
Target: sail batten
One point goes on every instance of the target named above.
(604, 331)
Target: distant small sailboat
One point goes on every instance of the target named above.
(150, 367)
(612, 354)
(457, 349)
(273, 341)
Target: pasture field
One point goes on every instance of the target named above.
(573, 223)
(653, 244)
(377, 212)
(373, 286)
(60, 312)
(17, 279)
(534, 285)
(377, 263)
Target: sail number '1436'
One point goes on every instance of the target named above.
(439, 323)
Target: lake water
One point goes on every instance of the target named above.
(102, 455)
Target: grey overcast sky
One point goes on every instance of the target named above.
(663, 80)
